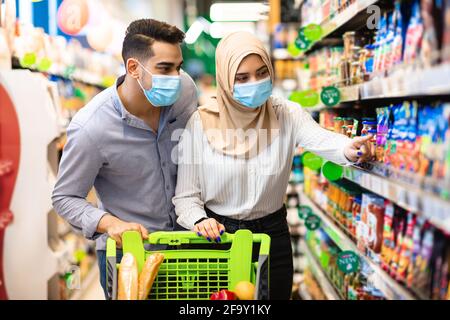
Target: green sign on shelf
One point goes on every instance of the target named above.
(312, 32)
(307, 98)
(304, 212)
(330, 96)
(69, 71)
(312, 222)
(332, 171)
(301, 42)
(312, 161)
(348, 261)
(28, 60)
(44, 65)
(293, 50)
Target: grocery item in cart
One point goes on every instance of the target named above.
(148, 274)
(128, 278)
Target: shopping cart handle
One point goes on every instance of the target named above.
(176, 238)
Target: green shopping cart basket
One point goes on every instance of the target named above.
(194, 274)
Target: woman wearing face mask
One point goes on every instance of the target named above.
(236, 154)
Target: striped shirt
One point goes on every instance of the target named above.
(247, 189)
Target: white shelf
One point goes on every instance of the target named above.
(407, 196)
(409, 83)
(327, 287)
(387, 285)
(330, 25)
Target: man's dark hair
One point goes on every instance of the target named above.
(141, 34)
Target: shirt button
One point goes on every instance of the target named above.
(163, 164)
(167, 187)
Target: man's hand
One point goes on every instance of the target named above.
(360, 149)
(116, 227)
(210, 229)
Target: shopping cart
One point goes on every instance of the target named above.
(189, 273)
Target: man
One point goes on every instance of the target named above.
(121, 143)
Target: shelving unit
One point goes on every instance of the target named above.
(333, 25)
(383, 281)
(409, 196)
(326, 285)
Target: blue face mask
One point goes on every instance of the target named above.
(165, 90)
(253, 94)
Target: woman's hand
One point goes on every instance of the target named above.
(360, 149)
(210, 229)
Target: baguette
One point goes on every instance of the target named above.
(128, 278)
(148, 274)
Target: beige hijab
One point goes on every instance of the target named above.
(232, 128)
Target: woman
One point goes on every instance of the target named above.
(236, 153)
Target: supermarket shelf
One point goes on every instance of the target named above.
(61, 76)
(431, 81)
(383, 281)
(330, 26)
(91, 277)
(321, 277)
(407, 196)
(348, 94)
(336, 234)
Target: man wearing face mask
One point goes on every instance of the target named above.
(121, 143)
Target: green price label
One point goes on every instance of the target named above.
(332, 171)
(44, 65)
(312, 32)
(348, 262)
(307, 98)
(302, 43)
(69, 71)
(293, 50)
(330, 96)
(312, 161)
(304, 211)
(28, 60)
(312, 222)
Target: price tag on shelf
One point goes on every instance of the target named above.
(330, 96)
(401, 196)
(312, 222)
(348, 261)
(304, 212)
(413, 201)
(302, 43)
(376, 185)
(312, 32)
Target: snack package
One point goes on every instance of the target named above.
(429, 45)
(413, 35)
(417, 238)
(148, 274)
(388, 246)
(378, 45)
(399, 229)
(128, 278)
(446, 34)
(387, 52)
(373, 209)
(382, 131)
(397, 45)
(406, 248)
(423, 262)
